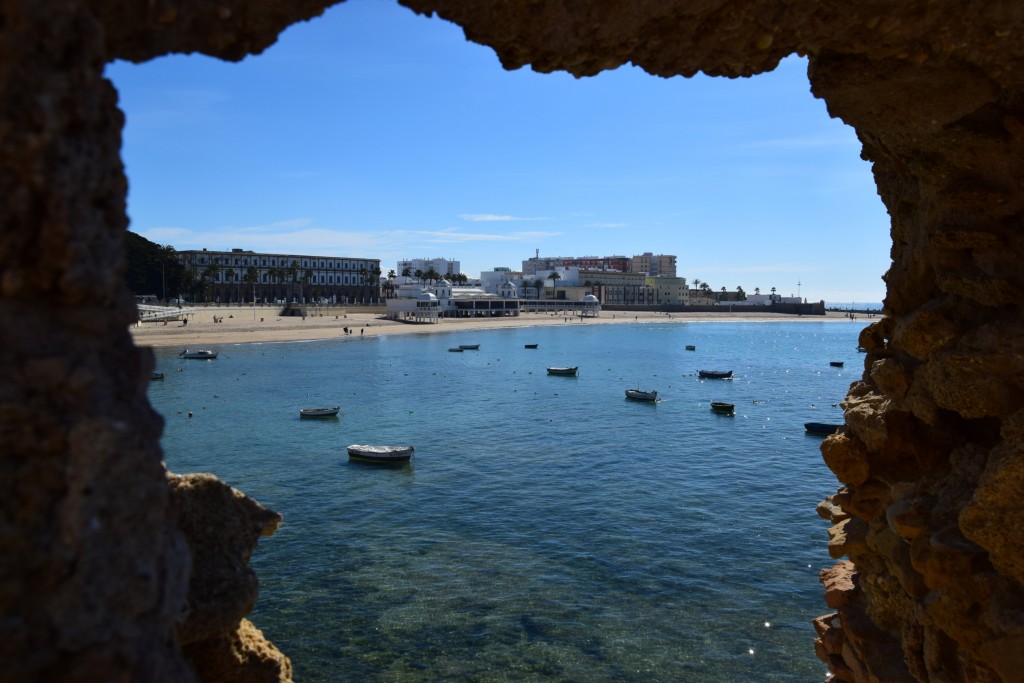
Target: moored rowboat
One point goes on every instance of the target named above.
(723, 408)
(201, 354)
(380, 453)
(715, 374)
(637, 395)
(821, 427)
(567, 372)
(319, 412)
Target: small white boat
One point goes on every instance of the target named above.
(566, 372)
(637, 395)
(380, 453)
(201, 354)
(319, 412)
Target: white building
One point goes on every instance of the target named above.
(446, 267)
(430, 301)
(494, 281)
(767, 300)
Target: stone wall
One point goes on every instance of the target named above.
(95, 574)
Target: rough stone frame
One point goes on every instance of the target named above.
(96, 538)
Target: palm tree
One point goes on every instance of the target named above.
(538, 284)
(406, 272)
(697, 282)
(757, 290)
(554, 277)
(307, 277)
(432, 275)
(251, 276)
(740, 294)
(276, 275)
(229, 276)
(210, 273)
(722, 298)
(168, 261)
(189, 279)
(293, 276)
(418, 274)
(389, 287)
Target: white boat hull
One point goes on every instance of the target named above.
(380, 453)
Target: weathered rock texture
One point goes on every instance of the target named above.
(94, 570)
(222, 527)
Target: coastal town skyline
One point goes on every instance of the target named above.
(376, 133)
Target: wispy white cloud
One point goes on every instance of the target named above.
(457, 237)
(606, 225)
(489, 217)
(293, 236)
(298, 236)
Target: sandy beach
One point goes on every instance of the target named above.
(241, 325)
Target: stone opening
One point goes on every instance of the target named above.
(929, 465)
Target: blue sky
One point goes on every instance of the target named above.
(374, 132)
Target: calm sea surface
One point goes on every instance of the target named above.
(547, 529)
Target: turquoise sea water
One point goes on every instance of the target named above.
(547, 529)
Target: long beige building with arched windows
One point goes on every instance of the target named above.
(241, 275)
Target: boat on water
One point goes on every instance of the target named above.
(723, 408)
(319, 412)
(836, 363)
(638, 395)
(157, 375)
(821, 427)
(565, 372)
(369, 453)
(456, 349)
(715, 374)
(469, 347)
(201, 354)
(530, 346)
(691, 347)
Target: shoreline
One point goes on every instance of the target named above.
(241, 325)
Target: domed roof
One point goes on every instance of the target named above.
(426, 296)
(590, 298)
